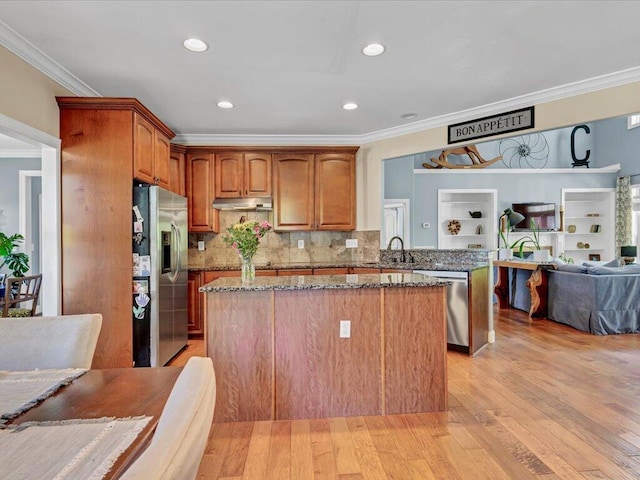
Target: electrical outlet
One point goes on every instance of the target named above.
(426, 225)
(201, 245)
(345, 328)
(352, 243)
(300, 243)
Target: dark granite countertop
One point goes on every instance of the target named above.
(324, 282)
(457, 267)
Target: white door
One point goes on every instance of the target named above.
(396, 222)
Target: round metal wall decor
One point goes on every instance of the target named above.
(524, 151)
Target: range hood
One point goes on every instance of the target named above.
(254, 203)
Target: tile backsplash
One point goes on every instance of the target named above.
(279, 248)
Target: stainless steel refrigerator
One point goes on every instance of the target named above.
(159, 291)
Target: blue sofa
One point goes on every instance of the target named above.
(596, 298)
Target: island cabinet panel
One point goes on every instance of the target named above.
(239, 340)
(335, 179)
(319, 374)
(293, 207)
(415, 339)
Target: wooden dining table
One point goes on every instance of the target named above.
(120, 393)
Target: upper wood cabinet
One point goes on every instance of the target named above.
(314, 191)
(293, 192)
(202, 216)
(151, 153)
(178, 170)
(335, 191)
(239, 174)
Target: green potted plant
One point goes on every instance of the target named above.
(539, 254)
(16, 262)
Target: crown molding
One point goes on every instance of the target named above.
(609, 80)
(543, 96)
(31, 153)
(18, 45)
(21, 47)
(26, 133)
(204, 139)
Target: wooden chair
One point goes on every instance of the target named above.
(21, 290)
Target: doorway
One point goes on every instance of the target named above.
(396, 221)
(50, 231)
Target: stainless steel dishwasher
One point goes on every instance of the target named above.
(457, 306)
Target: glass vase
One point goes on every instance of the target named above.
(248, 270)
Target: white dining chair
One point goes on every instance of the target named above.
(180, 438)
(63, 341)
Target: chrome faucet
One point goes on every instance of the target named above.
(402, 256)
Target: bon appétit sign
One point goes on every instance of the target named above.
(492, 125)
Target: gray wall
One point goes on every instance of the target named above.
(9, 168)
(609, 141)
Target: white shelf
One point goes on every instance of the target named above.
(578, 203)
(455, 204)
(514, 171)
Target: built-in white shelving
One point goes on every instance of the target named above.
(589, 223)
(455, 205)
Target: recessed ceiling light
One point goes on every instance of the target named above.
(408, 116)
(225, 104)
(195, 45)
(350, 106)
(373, 49)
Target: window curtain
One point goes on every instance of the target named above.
(624, 207)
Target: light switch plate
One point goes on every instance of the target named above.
(352, 243)
(300, 243)
(201, 245)
(345, 328)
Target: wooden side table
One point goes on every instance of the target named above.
(537, 284)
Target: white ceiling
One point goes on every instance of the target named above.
(288, 66)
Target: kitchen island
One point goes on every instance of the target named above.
(281, 349)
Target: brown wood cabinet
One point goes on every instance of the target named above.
(178, 170)
(239, 174)
(202, 216)
(314, 190)
(335, 191)
(195, 307)
(102, 139)
(293, 192)
(151, 152)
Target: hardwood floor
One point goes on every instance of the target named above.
(543, 402)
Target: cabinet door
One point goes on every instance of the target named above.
(202, 216)
(162, 148)
(143, 149)
(293, 192)
(177, 173)
(194, 304)
(335, 191)
(257, 175)
(229, 175)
